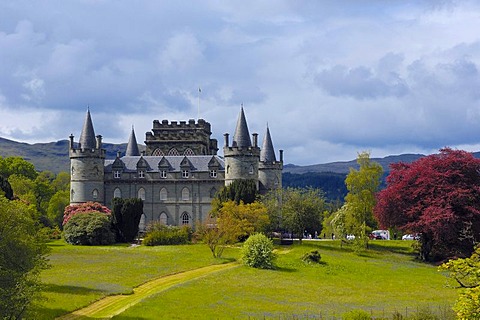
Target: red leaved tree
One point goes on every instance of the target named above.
(437, 196)
(85, 207)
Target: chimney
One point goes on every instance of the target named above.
(226, 139)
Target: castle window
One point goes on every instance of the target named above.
(228, 169)
(173, 152)
(117, 193)
(213, 173)
(163, 194)
(141, 174)
(141, 194)
(163, 174)
(185, 218)
(95, 194)
(185, 194)
(163, 218)
(213, 192)
(185, 174)
(157, 153)
(251, 170)
(189, 152)
(141, 223)
(72, 195)
(116, 174)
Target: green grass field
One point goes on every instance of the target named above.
(382, 280)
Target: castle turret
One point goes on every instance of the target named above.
(87, 166)
(269, 169)
(241, 158)
(132, 146)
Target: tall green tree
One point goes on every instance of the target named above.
(239, 191)
(17, 165)
(56, 207)
(302, 210)
(362, 185)
(126, 215)
(22, 256)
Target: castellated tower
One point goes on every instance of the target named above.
(269, 169)
(241, 158)
(87, 166)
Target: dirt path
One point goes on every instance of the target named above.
(113, 305)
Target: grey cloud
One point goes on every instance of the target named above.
(360, 83)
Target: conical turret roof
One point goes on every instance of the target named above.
(132, 146)
(267, 154)
(241, 138)
(87, 137)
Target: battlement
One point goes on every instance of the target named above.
(183, 136)
(241, 152)
(86, 153)
(176, 125)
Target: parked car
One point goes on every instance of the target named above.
(411, 237)
(380, 235)
(350, 237)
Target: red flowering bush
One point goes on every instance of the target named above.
(86, 207)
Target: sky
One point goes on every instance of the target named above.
(329, 78)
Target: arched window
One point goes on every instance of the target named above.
(157, 153)
(72, 195)
(141, 194)
(185, 194)
(117, 193)
(185, 219)
(189, 152)
(213, 191)
(173, 152)
(250, 171)
(95, 194)
(141, 224)
(163, 194)
(163, 218)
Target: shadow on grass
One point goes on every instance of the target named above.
(68, 289)
(285, 269)
(43, 313)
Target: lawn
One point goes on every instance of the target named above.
(385, 279)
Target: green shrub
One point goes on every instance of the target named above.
(158, 234)
(257, 252)
(89, 229)
(356, 315)
(468, 304)
(312, 257)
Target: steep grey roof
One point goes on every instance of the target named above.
(267, 154)
(87, 137)
(132, 146)
(198, 163)
(241, 138)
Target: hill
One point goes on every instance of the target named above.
(52, 156)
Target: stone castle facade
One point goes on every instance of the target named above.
(179, 173)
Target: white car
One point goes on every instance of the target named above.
(409, 237)
(350, 237)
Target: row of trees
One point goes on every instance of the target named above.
(47, 192)
(23, 249)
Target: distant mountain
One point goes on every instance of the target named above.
(52, 156)
(344, 167)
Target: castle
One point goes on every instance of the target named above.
(179, 173)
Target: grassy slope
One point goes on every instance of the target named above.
(81, 274)
(380, 281)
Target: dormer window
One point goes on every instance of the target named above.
(141, 174)
(185, 174)
(116, 174)
(213, 173)
(163, 174)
